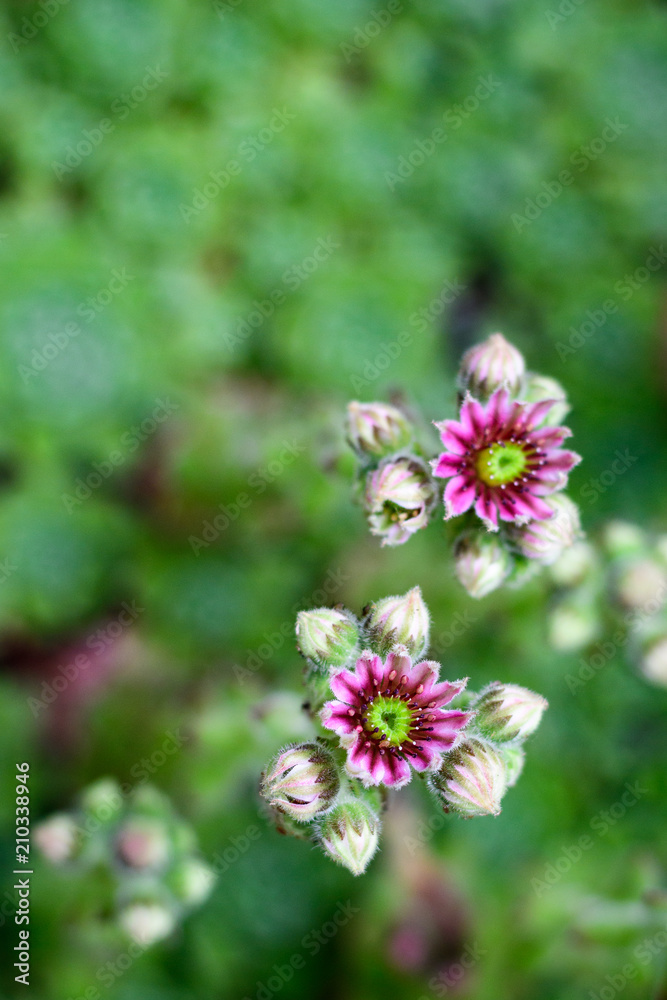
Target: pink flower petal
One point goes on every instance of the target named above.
(486, 509)
(459, 496)
(335, 716)
(446, 465)
(454, 437)
(345, 686)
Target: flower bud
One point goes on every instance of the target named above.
(56, 838)
(143, 844)
(302, 781)
(481, 562)
(377, 429)
(399, 498)
(546, 540)
(192, 881)
(102, 800)
(328, 637)
(641, 583)
(489, 366)
(539, 387)
(472, 779)
(621, 538)
(147, 923)
(572, 624)
(515, 758)
(399, 621)
(508, 712)
(653, 661)
(350, 834)
(574, 565)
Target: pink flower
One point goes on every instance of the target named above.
(498, 458)
(389, 716)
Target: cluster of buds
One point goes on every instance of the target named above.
(504, 462)
(381, 715)
(616, 587)
(136, 844)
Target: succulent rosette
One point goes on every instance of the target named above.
(390, 718)
(501, 460)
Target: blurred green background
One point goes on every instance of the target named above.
(218, 223)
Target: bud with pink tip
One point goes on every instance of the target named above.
(491, 365)
(546, 540)
(143, 843)
(472, 779)
(377, 429)
(481, 562)
(350, 834)
(507, 712)
(399, 498)
(302, 781)
(540, 387)
(399, 621)
(327, 636)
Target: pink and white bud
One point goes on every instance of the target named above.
(147, 923)
(491, 365)
(56, 838)
(399, 621)
(399, 498)
(472, 779)
(327, 636)
(540, 387)
(546, 540)
(143, 843)
(350, 835)
(507, 712)
(377, 429)
(302, 781)
(481, 562)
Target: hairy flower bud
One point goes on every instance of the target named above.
(539, 387)
(302, 781)
(56, 838)
(399, 621)
(491, 365)
(481, 562)
(377, 429)
(143, 843)
(327, 636)
(399, 498)
(546, 540)
(147, 923)
(472, 779)
(515, 758)
(350, 835)
(508, 712)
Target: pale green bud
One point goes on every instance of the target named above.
(327, 636)
(491, 365)
(481, 562)
(399, 621)
(508, 712)
(472, 779)
(302, 781)
(377, 429)
(350, 834)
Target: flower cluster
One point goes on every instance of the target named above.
(614, 587)
(137, 846)
(504, 462)
(381, 716)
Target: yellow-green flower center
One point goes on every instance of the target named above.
(500, 464)
(392, 717)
